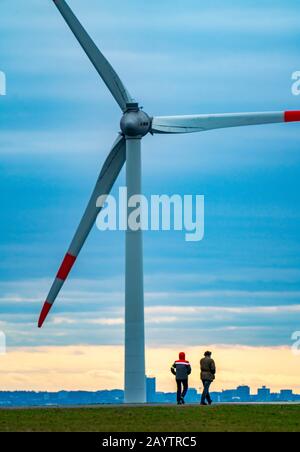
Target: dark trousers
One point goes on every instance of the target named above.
(182, 387)
(205, 394)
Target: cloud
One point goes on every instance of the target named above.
(85, 304)
(67, 142)
(100, 294)
(109, 322)
(186, 310)
(200, 294)
(100, 17)
(63, 321)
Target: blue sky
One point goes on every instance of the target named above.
(241, 285)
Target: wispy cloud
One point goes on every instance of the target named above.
(109, 322)
(190, 310)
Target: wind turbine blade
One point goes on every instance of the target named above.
(200, 123)
(106, 180)
(103, 67)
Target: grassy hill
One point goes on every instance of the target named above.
(224, 418)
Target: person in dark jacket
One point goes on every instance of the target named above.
(208, 374)
(181, 369)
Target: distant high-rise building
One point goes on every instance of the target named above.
(263, 394)
(151, 389)
(243, 393)
(286, 395)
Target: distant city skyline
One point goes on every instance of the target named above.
(240, 394)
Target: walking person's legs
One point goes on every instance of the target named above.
(185, 389)
(208, 398)
(178, 391)
(205, 393)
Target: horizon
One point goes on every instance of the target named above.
(171, 392)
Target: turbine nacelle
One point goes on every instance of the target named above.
(135, 122)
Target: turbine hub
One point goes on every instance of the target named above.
(135, 122)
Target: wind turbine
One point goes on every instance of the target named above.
(135, 124)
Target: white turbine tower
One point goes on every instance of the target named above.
(135, 124)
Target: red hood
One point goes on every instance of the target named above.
(182, 356)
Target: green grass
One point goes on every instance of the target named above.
(224, 418)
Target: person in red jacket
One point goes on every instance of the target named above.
(181, 369)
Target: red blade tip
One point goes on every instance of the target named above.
(46, 308)
(291, 116)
